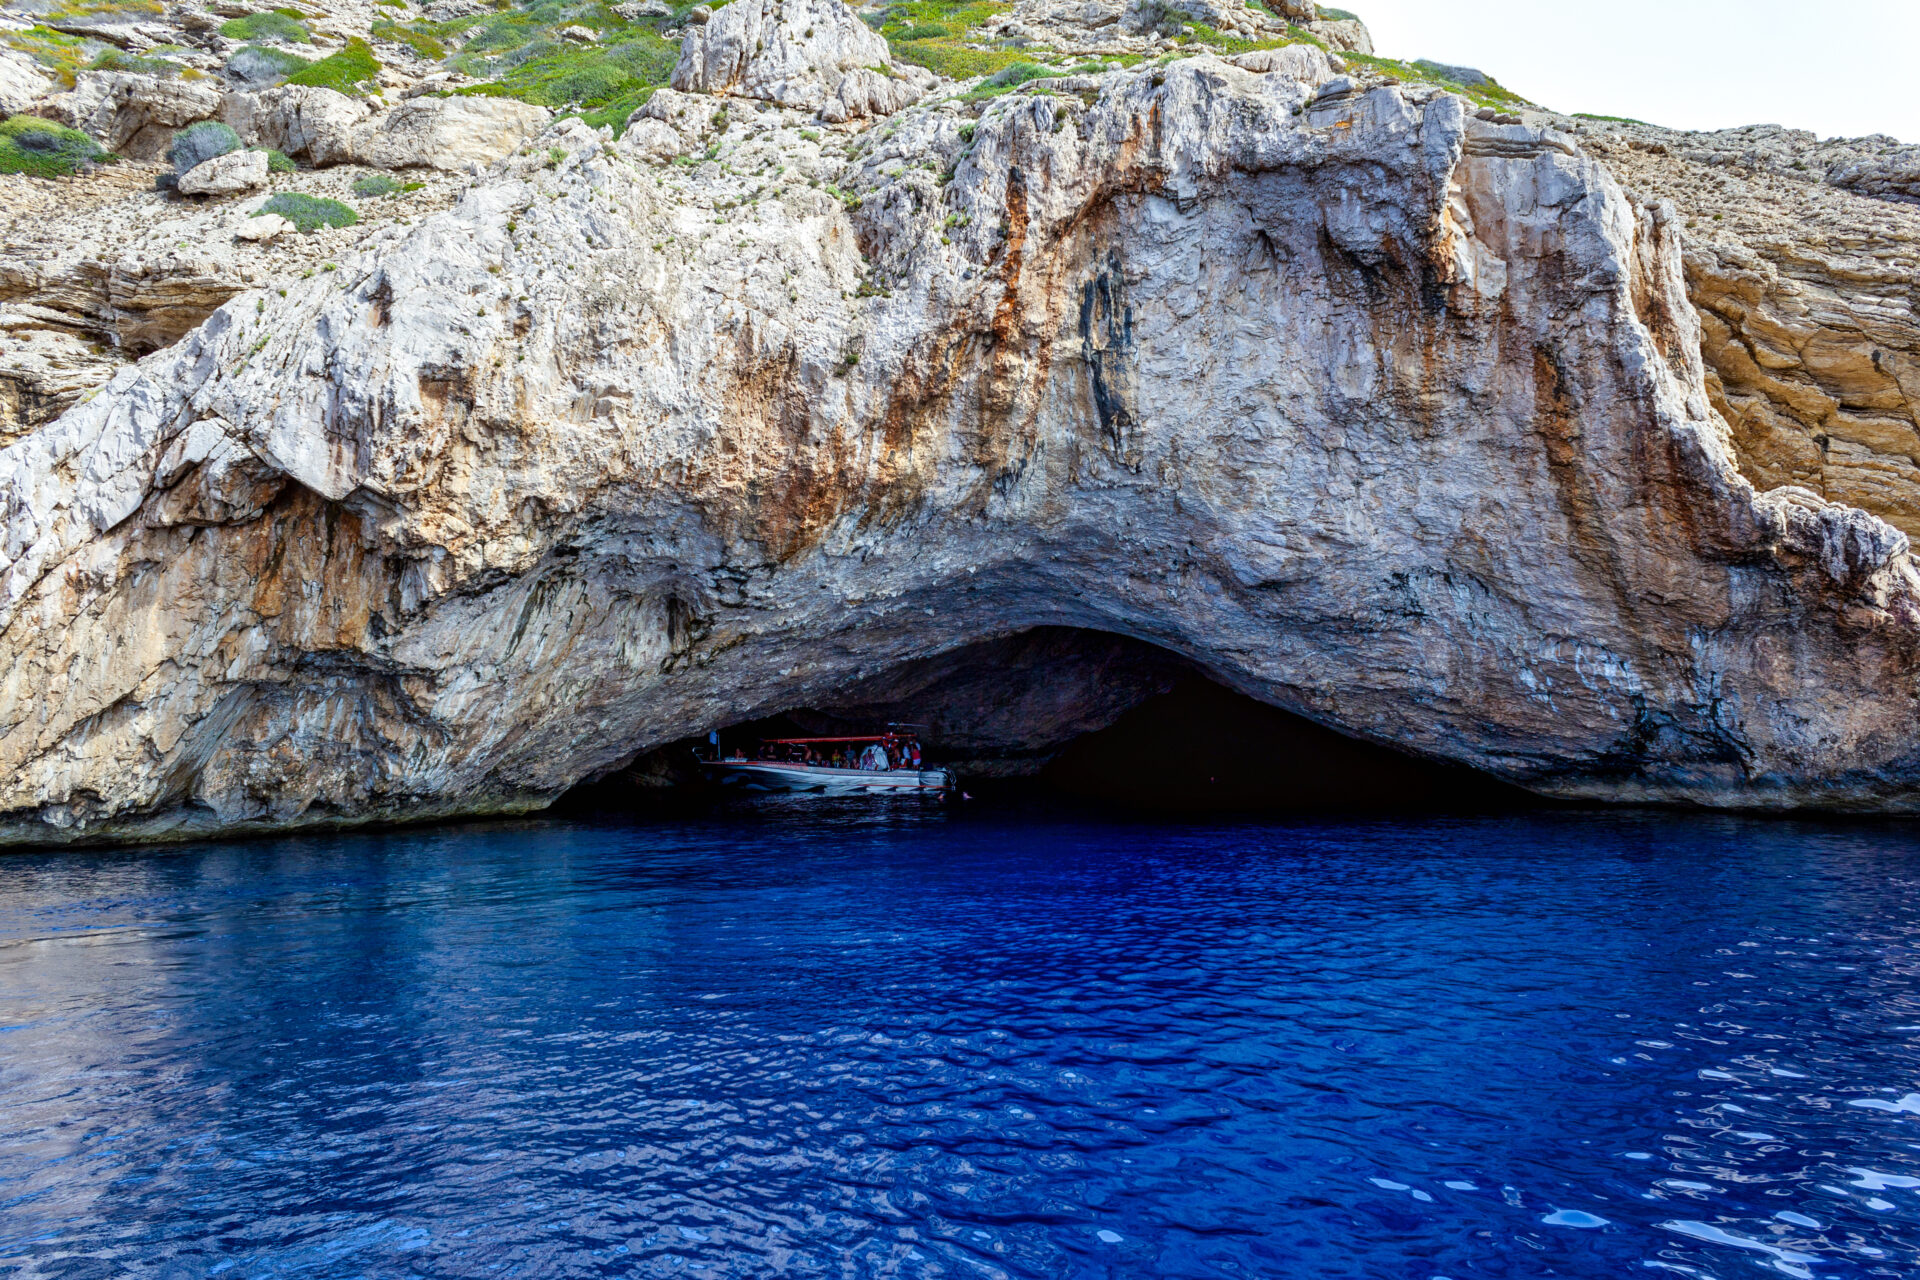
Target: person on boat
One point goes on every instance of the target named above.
(913, 752)
(874, 757)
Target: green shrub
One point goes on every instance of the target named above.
(375, 184)
(1335, 15)
(308, 213)
(199, 143)
(345, 70)
(1017, 74)
(278, 161)
(1011, 77)
(114, 60)
(615, 115)
(590, 76)
(272, 25)
(42, 149)
(934, 34)
(262, 64)
(423, 42)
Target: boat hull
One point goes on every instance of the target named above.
(807, 779)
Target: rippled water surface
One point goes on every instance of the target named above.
(937, 1043)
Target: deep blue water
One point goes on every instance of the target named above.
(938, 1043)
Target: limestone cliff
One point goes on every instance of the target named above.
(1806, 279)
(1376, 407)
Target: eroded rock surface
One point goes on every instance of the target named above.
(793, 53)
(1374, 406)
(1367, 407)
(1809, 297)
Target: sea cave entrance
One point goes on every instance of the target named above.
(1091, 716)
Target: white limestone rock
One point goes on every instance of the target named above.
(864, 93)
(225, 175)
(651, 141)
(310, 123)
(1301, 62)
(135, 114)
(1348, 35)
(21, 82)
(1381, 413)
(261, 228)
(795, 53)
(453, 134)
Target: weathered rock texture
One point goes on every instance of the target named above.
(804, 54)
(1376, 409)
(1809, 302)
(1371, 409)
(132, 113)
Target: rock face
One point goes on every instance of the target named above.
(1368, 408)
(325, 128)
(795, 53)
(454, 134)
(20, 82)
(136, 114)
(1806, 296)
(225, 175)
(316, 125)
(1002, 414)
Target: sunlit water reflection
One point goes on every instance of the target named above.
(969, 1044)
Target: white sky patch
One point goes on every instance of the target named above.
(1843, 68)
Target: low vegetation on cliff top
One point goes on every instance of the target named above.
(351, 70)
(516, 51)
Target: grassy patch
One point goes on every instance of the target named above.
(115, 60)
(935, 33)
(42, 149)
(421, 40)
(610, 80)
(278, 161)
(198, 143)
(308, 213)
(272, 26)
(261, 64)
(1326, 15)
(104, 10)
(57, 51)
(1009, 78)
(517, 53)
(1490, 94)
(1583, 115)
(374, 185)
(347, 70)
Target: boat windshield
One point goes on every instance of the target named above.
(871, 751)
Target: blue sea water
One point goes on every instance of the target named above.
(965, 1042)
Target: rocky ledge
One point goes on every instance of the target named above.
(827, 380)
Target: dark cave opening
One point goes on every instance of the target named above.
(1202, 747)
(1089, 717)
